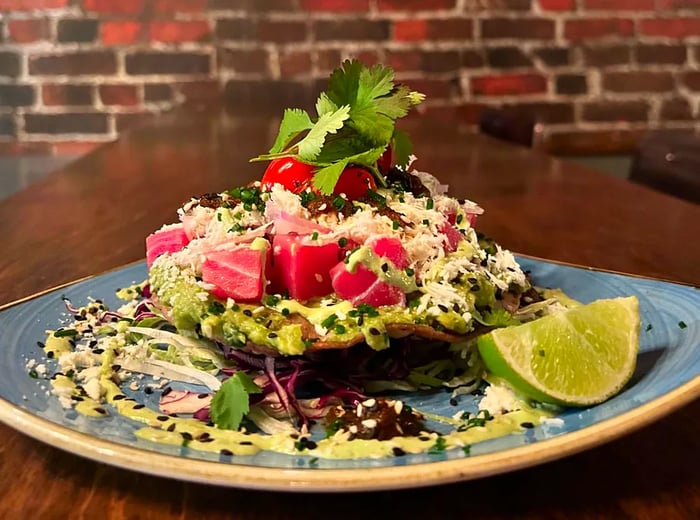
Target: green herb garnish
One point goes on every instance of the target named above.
(231, 402)
(355, 124)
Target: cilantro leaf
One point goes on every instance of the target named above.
(294, 122)
(374, 83)
(344, 83)
(403, 148)
(231, 402)
(326, 178)
(329, 123)
(325, 105)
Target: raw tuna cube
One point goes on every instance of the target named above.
(169, 240)
(302, 268)
(236, 274)
(363, 286)
(453, 236)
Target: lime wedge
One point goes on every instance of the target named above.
(578, 357)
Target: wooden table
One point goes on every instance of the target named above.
(93, 215)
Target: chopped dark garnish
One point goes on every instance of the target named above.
(398, 452)
(649, 327)
(65, 333)
(527, 424)
(216, 308)
(438, 447)
(682, 325)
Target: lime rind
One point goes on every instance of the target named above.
(578, 357)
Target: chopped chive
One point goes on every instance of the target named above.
(329, 321)
(395, 224)
(649, 327)
(342, 241)
(682, 324)
(429, 204)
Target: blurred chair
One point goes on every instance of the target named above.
(669, 162)
(514, 126)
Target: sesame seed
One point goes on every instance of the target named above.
(369, 403)
(369, 423)
(398, 406)
(398, 452)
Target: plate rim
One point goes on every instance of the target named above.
(247, 476)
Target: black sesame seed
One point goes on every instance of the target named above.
(374, 331)
(248, 312)
(245, 443)
(100, 410)
(186, 435)
(202, 396)
(171, 428)
(148, 390)
(272, 335)
(116, 368)
(50, 354)
(138, 406)
(162, 418)
(475, 288)
(385, 267)
(311, 445)
(76, 398)
(166, 391)
(207, 439)
(40, 344)
(398, 452)
(453, 402)
(119, 397)
(443, 308)
(98, 351)
(424, 438)
(527, 425)
(226, 453)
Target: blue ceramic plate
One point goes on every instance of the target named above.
(668, 375)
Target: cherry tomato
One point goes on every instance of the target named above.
(386, 161)
(354, 182)
(294, 175)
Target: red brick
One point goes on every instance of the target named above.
(620, 5)
(557, 5)
(179, 6)
(692, 80)
(282, 31)
(119, 33)
(367, 57)
(295, 63)
(520, 28)
(246, 61)
(30, 5)
(511, 84)
(436, 88)
(415, 5)
(576, 30)
(122, 95)
(114, 6)
(402, 61)
(450, 29)
(410, 30)
(176, 32)
(670, 27)
(28, 31)
(335, 5)
(327, 59)
(638, 81)
(615, 111)
(60, 94)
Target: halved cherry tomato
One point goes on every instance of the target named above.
(296, 176)
(354, 182)
(386, 161)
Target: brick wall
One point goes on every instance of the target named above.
(596, 73)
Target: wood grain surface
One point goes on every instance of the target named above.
(94, 214)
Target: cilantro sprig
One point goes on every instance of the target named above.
(232, 401)
(356, 119)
